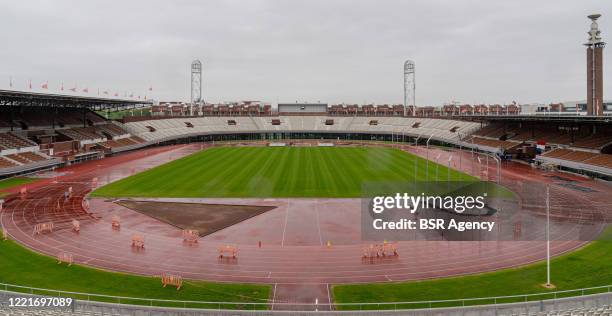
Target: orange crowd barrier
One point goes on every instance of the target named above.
(228, 251)
(43, 227)
(64, 257)
(115, 222)
(191, 236)
(173, 280)
(138, 241)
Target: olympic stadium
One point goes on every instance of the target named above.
(140, 207)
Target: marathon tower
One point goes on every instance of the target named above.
(594, 68)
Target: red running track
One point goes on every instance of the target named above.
(294, 236)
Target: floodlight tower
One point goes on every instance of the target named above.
(594, 68)
(196, 81)
(409, 86)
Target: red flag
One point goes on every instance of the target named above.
(45, 85)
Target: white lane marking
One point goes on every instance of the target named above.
(318, 224)
(329, 300)
(285, 226)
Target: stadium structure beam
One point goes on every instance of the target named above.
(20, 98)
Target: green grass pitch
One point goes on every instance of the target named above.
(277, 172)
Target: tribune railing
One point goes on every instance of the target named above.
(277, 305)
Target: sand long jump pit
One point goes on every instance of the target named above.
(203, 217)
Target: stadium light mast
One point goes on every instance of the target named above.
(409, 86)
(196, 82)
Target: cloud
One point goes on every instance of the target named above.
(287, 50)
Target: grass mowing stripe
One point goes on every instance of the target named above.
(284, 172)
(233, 176)
(325, 167)
(261, 184)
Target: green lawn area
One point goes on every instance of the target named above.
(13, 182)
(277, 172)
(588, 267)
(20, 266)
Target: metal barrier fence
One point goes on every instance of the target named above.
(433, 304)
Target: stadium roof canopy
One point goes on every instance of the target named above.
(20, 98)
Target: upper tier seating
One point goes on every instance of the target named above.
(156, 130)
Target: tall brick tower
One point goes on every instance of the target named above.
(594, 68)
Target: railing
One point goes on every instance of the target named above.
(237, 305)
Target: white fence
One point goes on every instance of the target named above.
(499, 305)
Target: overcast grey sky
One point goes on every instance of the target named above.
(308, 50)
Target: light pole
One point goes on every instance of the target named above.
(479, 167)
(437, 166)
(450, 158)
(498, 161)
(472, 148)
(548, 285)
(427, 161)
(460, 156)
(487, 167)
(415, 167)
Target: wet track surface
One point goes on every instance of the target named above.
(306, 244)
